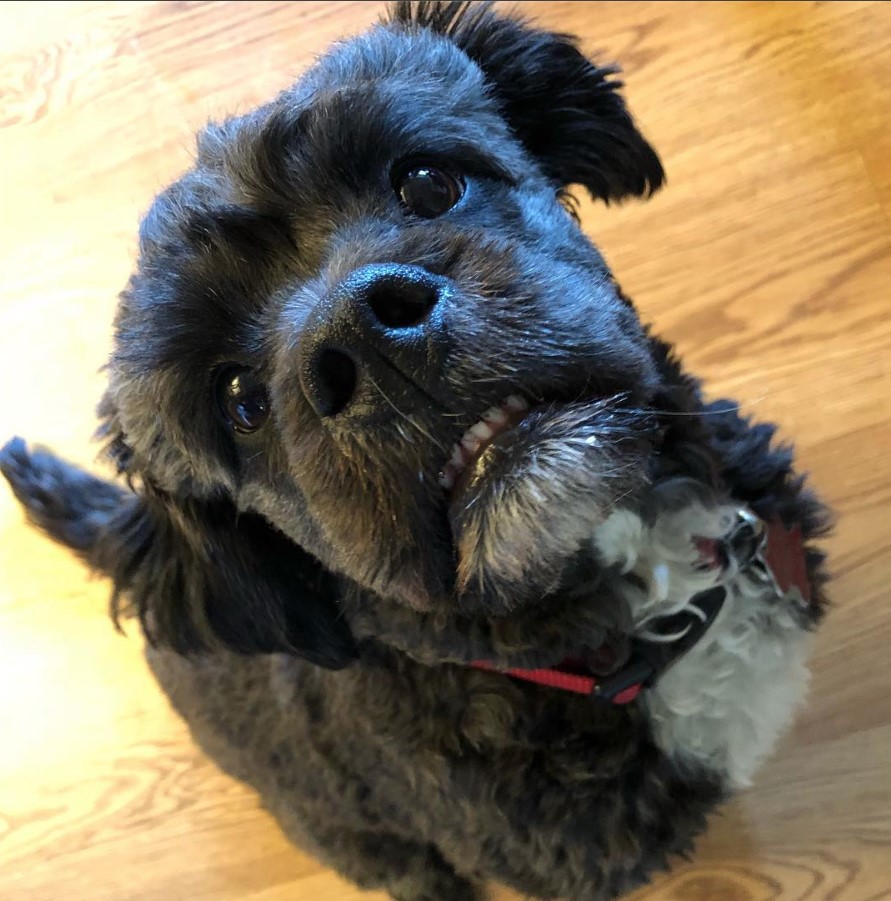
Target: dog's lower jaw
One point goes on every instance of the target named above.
(724, 705)
(531, 505)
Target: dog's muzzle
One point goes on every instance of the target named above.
(378, 335)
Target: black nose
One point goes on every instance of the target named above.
(379, 320)
(398, 296)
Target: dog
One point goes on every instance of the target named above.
(434, 544)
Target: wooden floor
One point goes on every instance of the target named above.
(767, 259)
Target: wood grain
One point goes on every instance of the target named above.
(767, 259)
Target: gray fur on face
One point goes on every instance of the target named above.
(531, 504)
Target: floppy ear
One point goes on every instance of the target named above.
(567, 111)
(199, 572)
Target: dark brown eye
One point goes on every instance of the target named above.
(427, 191)
(242, 398)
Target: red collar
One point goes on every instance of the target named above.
(567, 681)
(769, 553)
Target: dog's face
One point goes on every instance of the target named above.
(370, 268)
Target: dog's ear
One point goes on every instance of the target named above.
(198, 572)
(567, 111)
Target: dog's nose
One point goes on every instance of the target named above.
(399, 297)
(382, 316)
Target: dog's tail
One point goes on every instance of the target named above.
(67, 503)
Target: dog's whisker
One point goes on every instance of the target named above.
(435, 402)
(408, 418)
(614, 503)
(726, 408)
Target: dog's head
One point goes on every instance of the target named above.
(352, 279)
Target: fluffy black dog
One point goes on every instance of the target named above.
(389, 429)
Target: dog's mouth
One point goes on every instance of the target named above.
(527, 484)
(495, 425)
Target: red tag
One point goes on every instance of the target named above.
(784, 555)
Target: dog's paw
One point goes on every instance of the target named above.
(69, 504)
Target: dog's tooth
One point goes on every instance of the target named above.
(458, 458)
(446, 480)
(482, 431)
(496, 416)
(470, 442)
(516, 403)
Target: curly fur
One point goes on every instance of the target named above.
(310, 596)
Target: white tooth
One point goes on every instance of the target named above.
(457, 458)
(515, 402)
(446, 480)
(496, 416)
(482, 431)
(470, 442)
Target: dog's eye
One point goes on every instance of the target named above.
(427, 191)
(242, 398)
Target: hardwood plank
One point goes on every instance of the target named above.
(767, 259)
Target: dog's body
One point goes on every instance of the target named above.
(389, 418)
